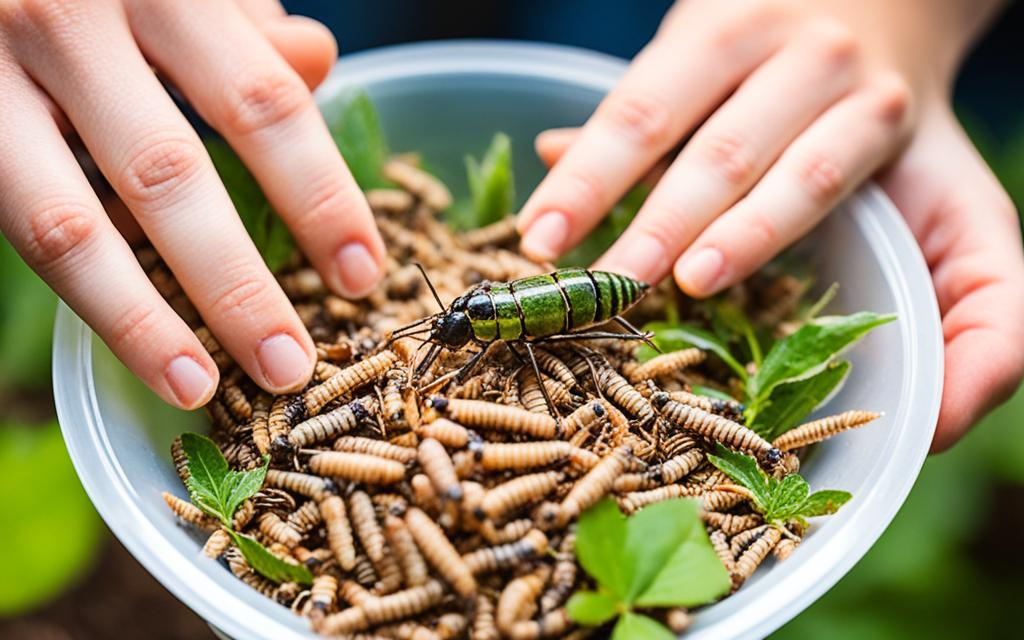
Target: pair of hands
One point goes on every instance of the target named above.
(785, 107)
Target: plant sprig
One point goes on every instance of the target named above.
(778, 501)
(658, 557)
(218, 490)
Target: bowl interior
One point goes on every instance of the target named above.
(446, 100)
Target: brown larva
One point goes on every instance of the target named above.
(563, 577)
(364, 521)
(241, 570)
(729, 523)
(389, 574)
(364, 572)
(306, 517)
(487, 415)
(819, 430)
(302, 283)
(354, 593)
(784, 548)
(339, 531)
(585, 418)
(393, 405)
(217, 544)
(243, 515)
(522, 455)
(189, 513)
(323, 371)
(634, 501)
(233, 398)
(323, 596)
(276, 529)
(349, 378)
(373, 447)
(341, 310)
(618, 390)
(328, 425)
(180, 460)
(404, 604)
(431, 191)
(728, 408)
(721, 500)
(220, 357)
(446, 432)
(517, 595)
(408, 440)
(345, 622)
(489, 559)
(596, 483)
(400, 540)
(389, 200)
(357, 467)
(508, 496)
(509, 532)
(716, 428)
(483, 620)
(283, 413)
(423, 494)
(551, 625)
(666, 364)
(496, 233)
(437, 465)
(301, 483)
(754, 554)
(552, 365)
(334, 351)
(260, 424)
(739, 542)
(451, 625)
(439, 552)
(720, 543)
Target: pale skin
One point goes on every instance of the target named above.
(804, 101)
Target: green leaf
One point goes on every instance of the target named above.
(673, 337)
(360, 138)
(608, 231)
(51, 533)
(787, 497)
(267, 230)
(790, 402)
(653, 535)
(822, 503)
(214, 487)
(634, 626)
(692, 574)
(491, 187)
(267, 564)
(735, 322)
(601, 547)
(592, 607)
(808, 351)
(744, 470)
(819, 305)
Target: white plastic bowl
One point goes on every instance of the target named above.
(447, 99)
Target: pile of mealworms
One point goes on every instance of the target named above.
(428, 508)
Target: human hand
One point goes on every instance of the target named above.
(247, 69)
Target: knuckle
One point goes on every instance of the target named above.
(50, 17)
(261, 99)
(587, 194)
(836, 44)
(762, 230)
(891, 98)
(330, 198)
(821, 178)
(159, 167)
(731, 156)
(244, 296)
(139, 324)
(645, 118)
(60, 231)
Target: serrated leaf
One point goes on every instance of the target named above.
(692, 574)
(787, 498)
(822, 503)
(358, 134)
(789, 403)
(608, 231)
(674, 337)
(212, 485)
(601, 547)
(592, 607)
(491, 187)
(744, 470)
(242, 485)
(808, 351)
(267, 564)
(653, 535)
(635, 626)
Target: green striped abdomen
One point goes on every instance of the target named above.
(557, 303)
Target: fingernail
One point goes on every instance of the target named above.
(699, 273)
(283, 362)
(189, 381)
(357, 270)
(545, 238)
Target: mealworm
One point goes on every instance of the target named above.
(563, 577)
(241, 570)
(394, 405)
(584, 418)
(301, 483)
(739, 542)
(712, 405)
(446, 432)
(409, 440)
(423, 495)
(437, 466)
(818, 430)
(754, 554)
(400, 540)
(720, 543)
(217, 544)
(323, 371)
(552, 625)
(283, 412)
(720, 500)
(522, 455)
(666, 364)
(784, 549)
(349, 378)
(487, 415)
(488, 559)
(389, 200)
(322, 597)
(510, 532)
(340, 310)
(379, 448)
(243, 515)
(339, 531)
(357, 467)
(188, 512)
(260, 424)
(451, 625)
(329, 425)
(516, 596)
(276, 529)
(306, 517)
(364, 521)
(234, 400)
(439, 552)
(389, 574)
(220, 357)
(419, 183)
(729, 523)
(716, 428)
(618, 390)
(636, 500)
(496, 233)
(596, 483)
(508, 496)
(483, 620)
(180, 460)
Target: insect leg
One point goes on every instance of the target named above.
(628, 326)
(540, 380)
(468, 368)
(432, 353)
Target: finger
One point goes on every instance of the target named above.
(667, 91)
(305, 44)
(553, 143)
(735, 147)
(250, 95)
(54, 220)
(831, 158)
(157, 165)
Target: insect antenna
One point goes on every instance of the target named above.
(405, 331)
(431, 286)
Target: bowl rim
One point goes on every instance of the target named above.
(89, 447)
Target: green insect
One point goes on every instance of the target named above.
(556, 306)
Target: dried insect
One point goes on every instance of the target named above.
(349, 378)
(220, 357)
(483, 620)
(283, 413)
(234, 400)
(720, 543)
(339, 531)
(521, 455)
(596, 483)
(329, 425)
(754, 554)
(584, 418)
(488, 415)
(495, 233)
(301, 483)
(357, 467)
(730, 408)
(784, 548)
(516, 596)
(731, 524)
(508, 496)
(305, 518)
(189, 513)
(446, 432)
(323, 596)
(379, 448)
(563, 577)
(636, 500)
(666, 364)
(437, 465)
(620, 392)
(364, 521)
(400, 540)
(510, 532)
(439, 552)
(217, 544)
(389, 200)
(241, 570)
(819, 430)
(716, 428)
(419, 183)
(180, 460)
(393, 405)
(276, 529)
(488, 559)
